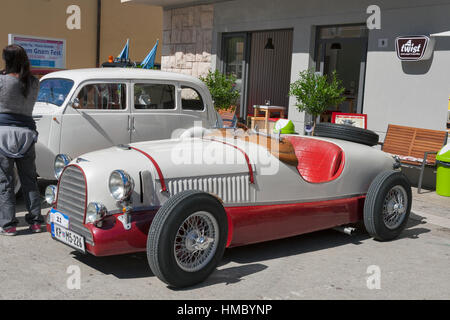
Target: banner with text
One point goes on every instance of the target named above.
(44, 53)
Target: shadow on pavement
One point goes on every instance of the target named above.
(228, 276)
(310, 242)
(133, 266)
(130, 266)
(410, 231)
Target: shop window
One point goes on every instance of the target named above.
(154, 96)
(191, 99)
(102, 96)
(343, 49)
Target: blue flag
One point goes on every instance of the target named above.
(125, 52)
(149, 61)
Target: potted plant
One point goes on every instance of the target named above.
(222, 89)
(315, 93)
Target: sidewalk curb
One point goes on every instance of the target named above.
(430, 218)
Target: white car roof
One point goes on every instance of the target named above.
(79, 75)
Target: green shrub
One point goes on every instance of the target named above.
(222, 89)
(315, 93)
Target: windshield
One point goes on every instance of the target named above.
(54, 91)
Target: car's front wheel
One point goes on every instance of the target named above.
(187, 238)
(388, 205)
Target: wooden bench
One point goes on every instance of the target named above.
(415, 147)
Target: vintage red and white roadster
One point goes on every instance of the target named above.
(184, 201)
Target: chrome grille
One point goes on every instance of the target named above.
(72, 200)
(231, 189)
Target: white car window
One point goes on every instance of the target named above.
(103, 96)
(154, 96)
(191, 99)
(54, 91)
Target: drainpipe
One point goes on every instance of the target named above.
(99, 23)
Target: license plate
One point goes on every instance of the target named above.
(59, 218)
(68, 237)
(60, 224)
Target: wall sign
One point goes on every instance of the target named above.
(414, 48)
(44, 53)
(351, 119)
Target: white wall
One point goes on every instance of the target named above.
(414, 94)
(408, 93)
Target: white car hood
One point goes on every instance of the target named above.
(176, 158)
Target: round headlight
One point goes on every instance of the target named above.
(50, 194)
(61, 161)
(95, 212)
(121, 185)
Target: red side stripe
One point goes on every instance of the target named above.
(250, 169)
(158, 169)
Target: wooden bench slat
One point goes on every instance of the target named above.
(413, 142)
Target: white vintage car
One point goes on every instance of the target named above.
(185, 200)
(79, 111)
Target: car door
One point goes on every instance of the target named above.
(98, 118)
(155, 114)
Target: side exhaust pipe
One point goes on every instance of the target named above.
(347, 230)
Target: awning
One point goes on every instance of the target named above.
(441, 34)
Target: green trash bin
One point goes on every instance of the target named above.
(443, 171)
(284, 126)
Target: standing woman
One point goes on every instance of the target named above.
(18, 93)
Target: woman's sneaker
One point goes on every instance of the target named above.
(11, 231)
(36, 228)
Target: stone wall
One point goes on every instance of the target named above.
(187, 40)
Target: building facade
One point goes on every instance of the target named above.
(267, 43)
(104, 27)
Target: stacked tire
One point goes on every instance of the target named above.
(346, 132)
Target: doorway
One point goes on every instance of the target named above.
(343, 49)
(236, 47)
(261, 62)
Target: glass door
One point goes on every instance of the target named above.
(344, 49)
(235, 62)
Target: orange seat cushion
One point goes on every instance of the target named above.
(318, 161)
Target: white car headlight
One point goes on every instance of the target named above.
(50, 194)
(121, 185)
(95, 212)
(61, 161)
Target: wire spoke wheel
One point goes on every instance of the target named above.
(388, 205)
(196, 241)
(394, 207)
(187, 238)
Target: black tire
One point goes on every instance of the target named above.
(346, 132)
(375, 211)
(165, 230)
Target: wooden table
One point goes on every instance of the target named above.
(267, 111)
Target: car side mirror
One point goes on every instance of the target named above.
(75, 103)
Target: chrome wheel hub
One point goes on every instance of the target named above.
(196, 241)
(394, 207)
